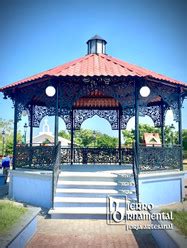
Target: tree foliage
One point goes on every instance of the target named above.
(7, 126)
(171, 136)
(87, 138)
(184, 136)
(64, 134)
(90, 138)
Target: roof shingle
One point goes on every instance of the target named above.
(96, 65)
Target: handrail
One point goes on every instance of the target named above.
(56, 169)
(135, 172)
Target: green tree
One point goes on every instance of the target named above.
(184, 137)
(7, 125)
(85, 138)
(128, 137)
(64, 134)
(90, 138)
(106, 141)
(171, 136)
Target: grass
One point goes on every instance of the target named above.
(9, 214)
(179, 219)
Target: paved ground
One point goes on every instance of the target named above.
(92, 233)
(87, 234)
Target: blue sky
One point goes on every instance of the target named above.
(38, 35)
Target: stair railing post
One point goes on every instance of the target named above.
(72, 134)
(137, 136)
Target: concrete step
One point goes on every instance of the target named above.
(80, 213)
(98, 179)
(94, 184)
(109, 173)
(88, 195)
(84, 202)
(83, 205)
(83, 210)
(81, 199)
(86, 183)
(82, 191)
(95, 176)
(86, 191)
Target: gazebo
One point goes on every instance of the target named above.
(97, 84)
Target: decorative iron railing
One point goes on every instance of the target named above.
(152, 158)
(97, 155)
(36, 157)
(56, 169)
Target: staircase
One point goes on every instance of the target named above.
(82, 190)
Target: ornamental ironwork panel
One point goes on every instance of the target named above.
(127, 155)
(127, 114)
(96, 155)
(36, 157)
(81, 115)
(159, 158)
(21, 107)
(175, 108)
(121, 89)
(167, 93)
(65, 155)
(39, 112)
(154, 112)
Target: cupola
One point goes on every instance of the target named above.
(96, 45)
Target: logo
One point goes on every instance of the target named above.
(116, 209)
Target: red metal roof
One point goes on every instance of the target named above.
(97, 65)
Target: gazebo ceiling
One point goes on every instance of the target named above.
(95, 65)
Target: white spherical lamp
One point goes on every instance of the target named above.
(145, 91)
(50, 91)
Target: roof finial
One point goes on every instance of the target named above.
(96, 45)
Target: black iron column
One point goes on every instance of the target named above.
(56, 117)
(119, 136)
(72, 133)
(15, 132)
(180, 128)
(31, 134)
(136, 133)
(31, 125)
(162, 122)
